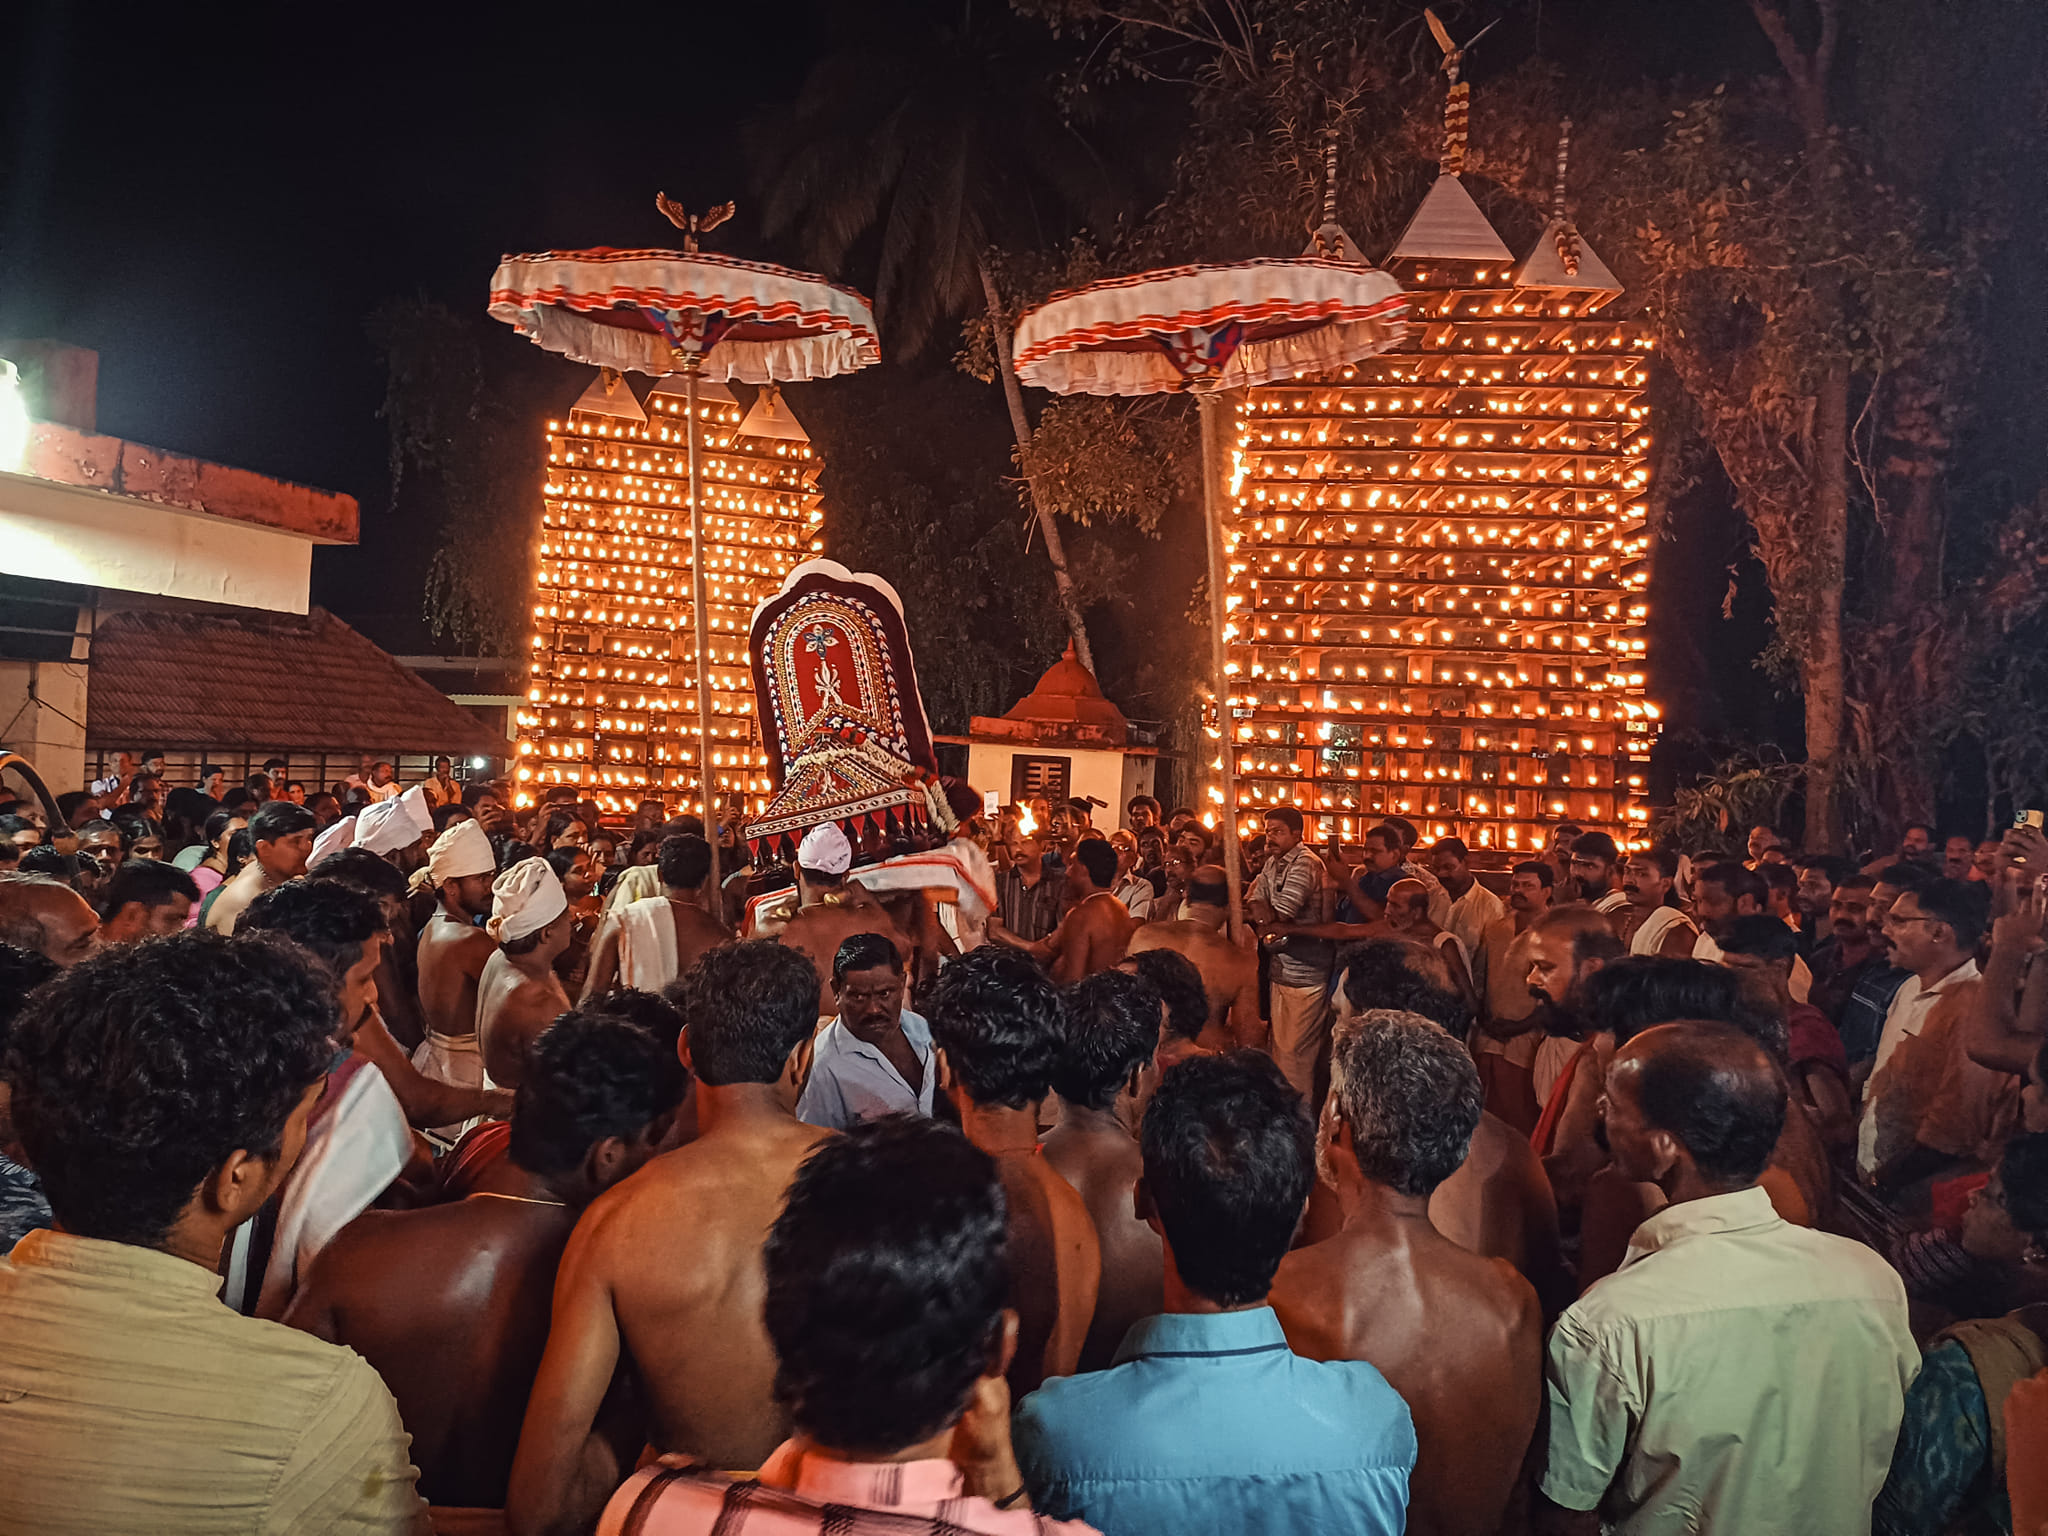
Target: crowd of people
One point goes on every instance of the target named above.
(390, 1158)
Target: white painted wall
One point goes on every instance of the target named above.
(1098, 773)
(56, 532)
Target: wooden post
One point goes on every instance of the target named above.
(1216, 411)
(692, 364)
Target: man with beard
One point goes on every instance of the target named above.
(1720, 894)
(1922, 1081)
(453, 951)
(1595, 861)
(1817, 874)
(1849, 947)
(1916, 847)
(1473, 907)
(1566, 949)
(1653, 923)
(1511, 1046)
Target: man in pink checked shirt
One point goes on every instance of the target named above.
(889, 1250)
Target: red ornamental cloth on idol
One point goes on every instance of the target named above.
(844, 724)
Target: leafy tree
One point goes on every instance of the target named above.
(932, 149)
(467, 453)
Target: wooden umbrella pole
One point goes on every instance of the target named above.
(692, 363)
(1215, 454)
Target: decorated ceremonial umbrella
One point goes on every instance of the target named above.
(1212, 329)
(700, 315)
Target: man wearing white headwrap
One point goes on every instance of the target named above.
(397, 829)
(831, 909)
(518, 994)
(330, 842)
(453, 951)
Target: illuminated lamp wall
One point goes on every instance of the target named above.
(1437, 585)
(611, 700)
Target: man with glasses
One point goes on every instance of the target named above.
(1932, 933)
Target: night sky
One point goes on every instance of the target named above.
(215, 199)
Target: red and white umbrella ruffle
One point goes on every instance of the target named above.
(634, 310)
(1225, 326)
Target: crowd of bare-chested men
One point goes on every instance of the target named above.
(467, 1172)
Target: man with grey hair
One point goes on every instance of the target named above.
(1459, 1336)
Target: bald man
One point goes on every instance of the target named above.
(47, 916)
(1672, 1382)
(1230, 972)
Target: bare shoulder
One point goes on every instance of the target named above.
(698, 1183)
(1518, 1296)
(1498, 1147)
(1166, 934)
(1060, 1196)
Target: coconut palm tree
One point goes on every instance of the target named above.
(922, 155)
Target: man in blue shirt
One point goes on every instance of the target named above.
(1207, 1421)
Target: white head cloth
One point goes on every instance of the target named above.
(826, 850)
(526, 898)
(337, 837)
(464, 849)
(397, 823)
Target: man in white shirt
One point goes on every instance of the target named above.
(1131, 888)
(1473, 906)
(1932, 933)
(1737, 1374)
(875, 1057)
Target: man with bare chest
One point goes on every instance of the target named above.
(649, 943)
(664, 1272)
(450, 1303)
(1112, 1030)
(518, 994)
(831, 909)
(453, 951)
(1460, 1337)
(998, 1021)
(1095, 931)
(1230, 972)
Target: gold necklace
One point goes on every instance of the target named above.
(492, 1194)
